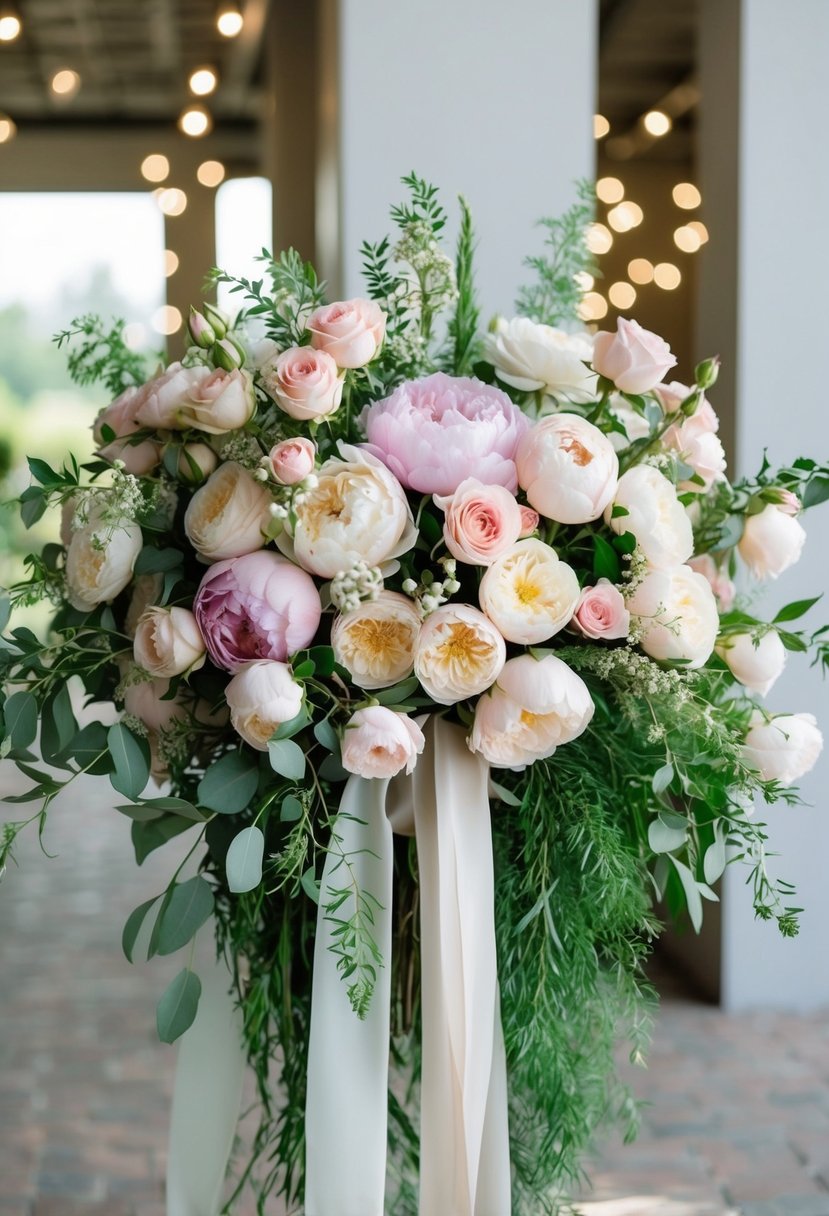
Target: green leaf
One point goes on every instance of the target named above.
(147, 837)
(88, 745)
(714, 862)
(817, 491)
(43, 472)
(32, 508)
(662, 778)
(791, 641)
(243, 864)
(157, 561)
(310, 885)
(305, 670)
(175, 806)
(291, 809)
(664, 838)
(20, 715)
(692, 893)
(625, 543)
(5, 611)
(66, 727)
(183, 914)
(131, 759)
(504, 795)
(796, 609)
(618, 511)
(606, 562)
(286, 730)
(332, 770)
(139, 812)
(132, 928)
(323, 659)
(228, 785)
(287, 758)
(325, 735)
(397, 693)
(178, 1006)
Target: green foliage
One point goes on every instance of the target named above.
(100, 355)
(294, 291)
(229, 783)
(463, 325)
(178, 1006)
(554, 297)
(243, 864)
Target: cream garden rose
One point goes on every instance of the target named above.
(262, 696)
(529, 593)
(357, 512)
(376, 642)
(568, 468)
(459, 653)
(655, 516)
(100, 561)
(222, 402)
(228, 516)
(783, 748)
(755, 662)
(536, 706)
(677, 615)
(540, 358)
(772, 541)
(379, 742)
(168, 642)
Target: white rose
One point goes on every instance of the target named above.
(261, 697)
(168, 642)
(536, 705)
(783, 749)
(375, 643)
(358, 511)
(568, 468)
(228, 515)
(757, 665)
(459, 653)
(529, 593)
(100, 561)
(677, 615)
(771, 542)
(655, 516)
(529, 356)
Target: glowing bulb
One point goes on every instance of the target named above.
(667, 276)
(699, 228)
(686, 239)
(10, 27)
(8, 128)
(598, 239)
(170, 262)
(166, 320)
(229, 21)
(155, 167)
(583, 280)
(65, 83)
(622, 295)
(610, 190)
(625, 216)
(600, 126)
(211, 172)
(203, 81)
(195, 121)
(657, 122)
(172, 201)
(593, 307)
(686, 195)
(640, 270)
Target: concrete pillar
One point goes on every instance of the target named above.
(765, 183)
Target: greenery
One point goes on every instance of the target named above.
(554, 297)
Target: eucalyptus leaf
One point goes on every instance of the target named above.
(20, 715)
(664, 839)
(157, 561)
(131, 759)
(310, 885)
(662, 778)
(133, 925)
(286, 730)
(243, 864)
(178, 1006)
(287, 758)
(693, 897)
(397, 693)
(89, 748)
(228, 785)
(183, 914)
(714, 861)
(503, 794)
(147, 837)
(291, 809)
(326, 736)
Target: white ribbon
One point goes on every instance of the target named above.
(464, 1131)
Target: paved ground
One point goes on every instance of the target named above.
(738, 1123)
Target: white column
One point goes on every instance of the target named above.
(484, 98)
(780, 178)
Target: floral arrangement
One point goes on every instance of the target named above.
(331, 521)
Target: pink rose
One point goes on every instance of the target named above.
(259, 606)
(120, 418)
(721, 584)
(292, 460)
(482, 522)
(633, 358)
(350, 331)
(379, 742)
(162, 397)
(694, 439)
(601, 612)
(436, 432)
(788, 503)
(137, 458)
(305, 383)
(529, 522)
(221, 402)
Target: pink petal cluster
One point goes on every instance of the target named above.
(482, 522)
(601, 612)
(350, 331)
(304, 382)
(436, 432)
(120, 417)
(259, 606)
(292, 460)
(635, 359)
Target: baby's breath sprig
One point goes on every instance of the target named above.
(431, 592)
(350, 588)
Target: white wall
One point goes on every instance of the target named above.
(782, 405)
(490, 99)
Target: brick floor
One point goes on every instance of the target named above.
(737, 1121)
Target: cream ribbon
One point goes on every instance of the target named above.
(464, 1131)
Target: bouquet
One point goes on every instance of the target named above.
(428, 638)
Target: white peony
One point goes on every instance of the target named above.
(772, 541)
(261, 697)
(529, 593)
(529, 357)
(783, 749)
(655, 516)
(568, 468)
(375, 643)
(756, 664)
(677, 615)
(536, 705)
(168, 642)
(99, 562)
(228, 516)
(459, 653)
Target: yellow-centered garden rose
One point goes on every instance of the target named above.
(459, 653)
(529, 593)
(376, 642)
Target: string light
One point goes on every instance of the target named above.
(10, 24)
(8, 128)
(229, 20)
(699, 228)
(65, 83)
(686, 239)
(622, 295)
(667, 276)
(640, 270)
(625, 216)
(657, 123)
(610, 190)
(211, 173)
(203, 81)
(599, 239)
(155, 167)
(593, 307)
(600, 126)
(172, 201)
(195, 121)
(166, 320)
(170, 262)
(686, 195)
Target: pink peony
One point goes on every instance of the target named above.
(350, 331)
(292, 460)
(633, 358)
(482, 522)
(436, 432)
(601, 612)
(379, 742)
(259, 606)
